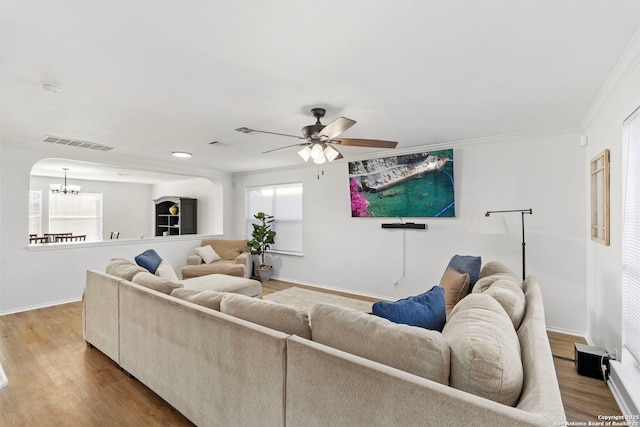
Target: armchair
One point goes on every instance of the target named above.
(235, 260)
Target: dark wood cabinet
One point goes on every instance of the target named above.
(176, 216)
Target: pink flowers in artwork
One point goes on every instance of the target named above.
(358, 202)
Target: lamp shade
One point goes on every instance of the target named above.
(488, 225)
(317, 151)
(320, 160)
(305, 153)
(331, 153)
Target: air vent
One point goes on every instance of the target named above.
(76, 143)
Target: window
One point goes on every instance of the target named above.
(631, 235)
(76, 213)
(35, 212)
(284, 202)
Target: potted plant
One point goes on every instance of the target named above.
(262, 239)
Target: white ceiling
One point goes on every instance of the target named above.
(151, 77)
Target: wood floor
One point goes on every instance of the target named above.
(56, 380)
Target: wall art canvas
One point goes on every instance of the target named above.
(411, 185)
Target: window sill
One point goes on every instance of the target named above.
(298, 254)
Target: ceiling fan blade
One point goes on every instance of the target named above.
(249, 130)
(365, 143)
(288, 146)
(336, 127)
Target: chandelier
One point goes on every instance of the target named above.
(66, 189)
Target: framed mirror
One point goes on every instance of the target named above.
(600, 198)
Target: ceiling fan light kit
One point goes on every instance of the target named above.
(320, 140)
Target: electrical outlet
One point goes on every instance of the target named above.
(614, 356)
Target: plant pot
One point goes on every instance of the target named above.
(264, 274)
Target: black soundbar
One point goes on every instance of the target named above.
(411, 225)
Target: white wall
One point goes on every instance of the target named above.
(543, 172)
(619, 98)
(126, 208)
(604, 262)
(34, 277)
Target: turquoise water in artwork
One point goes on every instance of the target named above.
(431, 195)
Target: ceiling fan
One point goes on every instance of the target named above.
(320, 140)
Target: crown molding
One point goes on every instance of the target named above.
(623, 68)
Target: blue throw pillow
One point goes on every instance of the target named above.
(149, 259)
(467, 264)
(426, 310)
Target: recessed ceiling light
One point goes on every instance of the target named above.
(51, 87)
(181, 154)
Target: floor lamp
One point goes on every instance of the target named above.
(497, 225)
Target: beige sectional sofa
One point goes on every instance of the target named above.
(220, 369)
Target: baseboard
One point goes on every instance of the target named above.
(624, 383)
(36, 307)
(566, 331)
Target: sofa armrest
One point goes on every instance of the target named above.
(245, 259)
(194, 259)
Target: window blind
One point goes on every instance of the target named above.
(76, 213)
(35, 212)
(284, 202)
(631, 235)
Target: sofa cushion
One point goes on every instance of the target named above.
(485, 350)
(485, 282)
(281, 317)
(467, 264)
(154, 282)
(207, 254)
(418, 351)
(166, 271)
(227, 249)
(123, 268)
(149, 259)
(224, 266)
(209, 299)
(224, 283)
(426, 310)
(510, 297)
(495, 267)
(456, 287)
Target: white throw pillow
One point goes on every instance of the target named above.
(207, 254)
